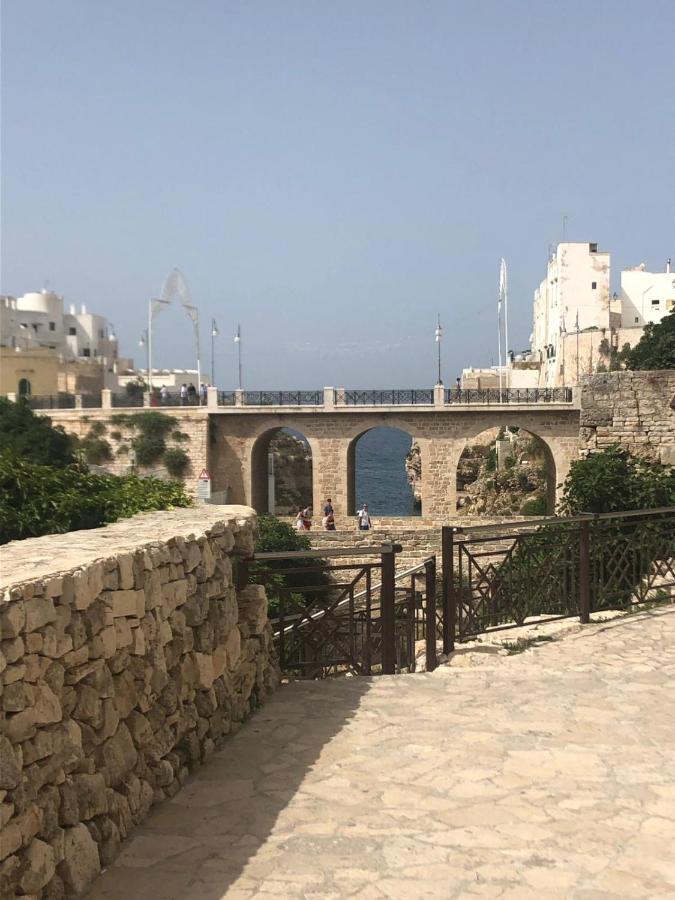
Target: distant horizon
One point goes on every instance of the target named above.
(330, 177)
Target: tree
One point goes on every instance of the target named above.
(656, 349)
(33, 438)
(613, 480)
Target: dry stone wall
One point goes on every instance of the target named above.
(633, 409)
(127, 655)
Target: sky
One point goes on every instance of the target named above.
(330, 175)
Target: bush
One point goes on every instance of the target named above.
(97, 429)
(96, 450)
(613, 480)
(116, 435)
(176, 461)
(32, 437)
(534, 506)
(37, 499)
(180, 436)
(148, 448)
(136, 388)
(656, 349)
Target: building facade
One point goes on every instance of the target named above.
(646, 296)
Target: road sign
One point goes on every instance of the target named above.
(204, 485)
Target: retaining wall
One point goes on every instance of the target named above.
(127, 655)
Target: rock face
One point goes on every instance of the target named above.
(292, 473)
(413, 469)
(126, 655)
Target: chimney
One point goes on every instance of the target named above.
(668, 265)
(71, 309)
(84, 310)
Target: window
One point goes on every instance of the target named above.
(655, 302)
(72, 330)
(101, 333)
(636, 319)
(594, 285)
(36, 325)
(86, 352)
(52, 326)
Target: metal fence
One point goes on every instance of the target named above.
(226, 398)
(91, 401)
(332, 616)
(389, 398)
(51, 401)
(497, 576)
(283, 398)
(120, 401)
(490, 396)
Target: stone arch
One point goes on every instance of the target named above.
(554, 467)
(258, 467)
(24, 387)
(393, 423)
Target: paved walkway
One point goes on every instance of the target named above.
(542, 775)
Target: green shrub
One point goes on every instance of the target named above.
(154, 424)
(32, 437)
(656, 349)
(127, 419)
(97, 429)
(96, 450)
(136, 388)
(176, 461)
(180, 436)
(534, 506)
(148, 448)
(37, 499)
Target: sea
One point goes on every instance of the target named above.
(381, 479)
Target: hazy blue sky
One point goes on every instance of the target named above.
(331, 174)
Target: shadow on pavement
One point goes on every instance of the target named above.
(196, 845)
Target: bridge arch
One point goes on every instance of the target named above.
(353, 501)
(259, 467)
(555, 467)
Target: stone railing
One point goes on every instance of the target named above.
(127, 655)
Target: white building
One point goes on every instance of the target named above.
(38, 319)
(574, 296)
(646, 296)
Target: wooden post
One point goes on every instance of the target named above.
(449, 599)
(430, 636)
(387, 611)
(585, 572)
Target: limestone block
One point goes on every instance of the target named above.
(13, 649)
(118, 755)
(47, 706)
(139, 728)
(20, 726)
(29, 823)
(90, 791)
(206, 675)
(10, 765)
(126, 695)
(40, 611)
(12, 619)
(128, 603)
(233, 648)
(17, 696)
(123, 636)
(10, 840)
(6, 813)
(13, 673)
(36, 667)
(137, 642)
(125, 564)
(80, 864)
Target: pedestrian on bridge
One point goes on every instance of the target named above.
(363, 518)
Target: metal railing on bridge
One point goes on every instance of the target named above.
(51, 401)
(490, 396)
(389, 398)
(282, 398)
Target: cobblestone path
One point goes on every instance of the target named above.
(542, 775)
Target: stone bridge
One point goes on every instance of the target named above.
(232, 440)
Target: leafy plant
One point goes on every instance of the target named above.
(97, 429)
(136, 388)
(656, 349)
(176, 461)
(37, 499)
(116, 435)
(534, 506)
(148, 449)
(180, 436)
(96, 450)
(32, 437)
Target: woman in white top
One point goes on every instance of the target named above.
(363, 518)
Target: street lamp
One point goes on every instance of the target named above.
(438, 334)
(237, 340)
(143, 342)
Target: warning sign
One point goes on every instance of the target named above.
(204, 485)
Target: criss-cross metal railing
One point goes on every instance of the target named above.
(331, 615)
(499, 576)
(389, 398)
(282, 398)
(492, 396)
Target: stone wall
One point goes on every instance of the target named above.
(127, 655)
(633, 409)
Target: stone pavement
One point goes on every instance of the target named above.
(542, 775)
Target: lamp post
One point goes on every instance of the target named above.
(237, 340)
(143, 342)
(155, 307)
(214, 334)
(439, 337)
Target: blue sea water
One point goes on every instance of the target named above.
(381, 479)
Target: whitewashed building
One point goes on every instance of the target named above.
(646, 296)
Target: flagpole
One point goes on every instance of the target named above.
(499, 329)
(150, 347)
(213, 365)
(199, 365)
(506, 324)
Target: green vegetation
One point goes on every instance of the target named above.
(176, 461)
(522, 644)
(44, 490)
(31, 437)
(613, 480)
(136, 388)
(38, 499)
(656, 349)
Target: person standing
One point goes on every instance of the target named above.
(192, 393)
(202, 392)
(363, 518)
(163, 394)
(328, 508)
(183, 394)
